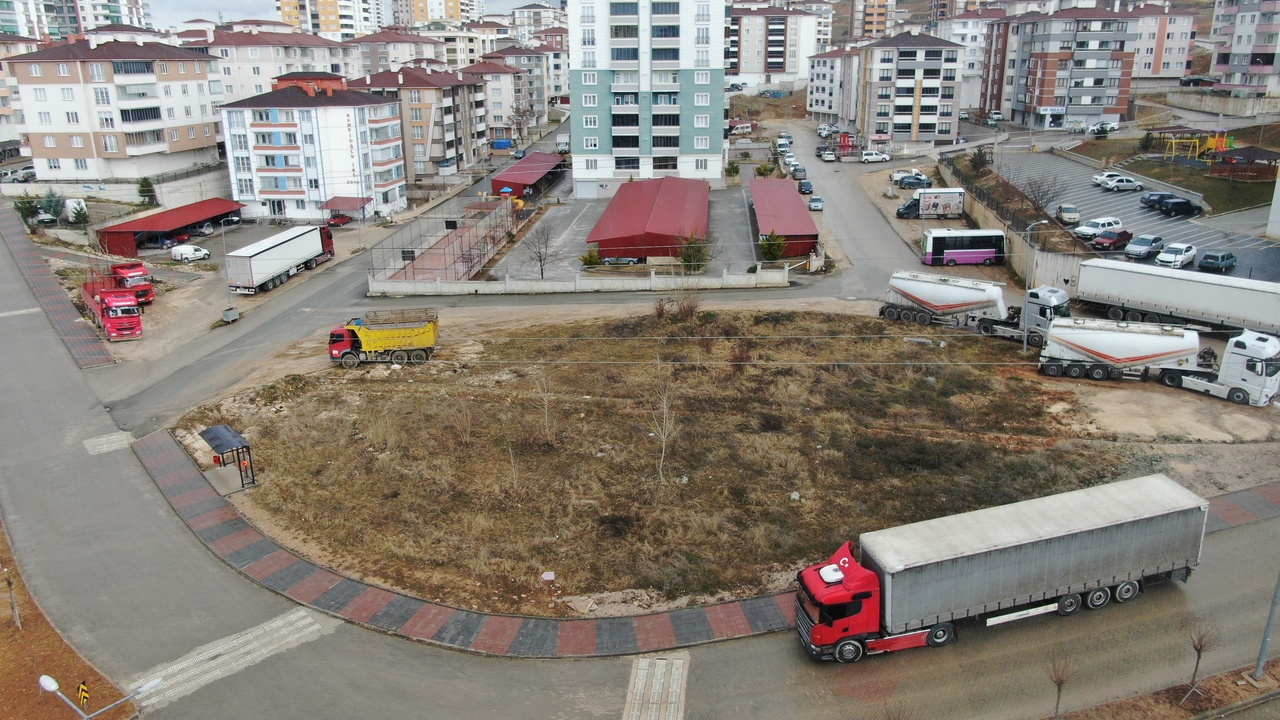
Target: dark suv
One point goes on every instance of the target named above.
(909, 210)
(1179, 206)
(1152, 199)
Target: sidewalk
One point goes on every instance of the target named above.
(220, 527)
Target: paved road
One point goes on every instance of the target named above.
(1259, 258)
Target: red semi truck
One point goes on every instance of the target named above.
(1059, 553)
(113, 309)
(134, 276)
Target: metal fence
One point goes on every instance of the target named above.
(451, 241)
(1018, 216)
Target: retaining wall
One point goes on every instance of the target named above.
(762, 278)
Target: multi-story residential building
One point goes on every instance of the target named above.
(249, 56)
(98, 110)
(825, 14)
(824, 86)
(24, 18)
(535, 65)
(557, 73)
(970, 30)
(10, 129)
(1245, 36)
(872, 18)
(461, 46)
(450, 11)
(1163, 46)
(493, 35)
(529, 19)
(1054, 69)
(309, 140)
(939, 10)
(556, 37)
(647, 92)
(394, 47)
(508, 118)
(96, 13)
(332, 19)
(907, 91)
(62, 18)
(444, 118)
(769, 45)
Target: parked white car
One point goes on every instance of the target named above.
(828, 156)
(1121, 183)
(1101, 177)
(1106, 127)
(897, 175)
(1176, 255)
(870, 156)
(188, 253)
(1089, 229)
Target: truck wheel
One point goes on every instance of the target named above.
(923, 318)
(350, 361)
(906, 315)
(1171, 378)
(1052, 369)
(417, 357)
(311, 264)
(400, 357)
(1076, 371)
(1097, 598)
(1035, 340)
(1115, 313)
(849, 651)
(1133, 316)
(941, 635)
(1238, 396)
(1069, 604)
(889, 312)
(1126, 591)
(986, 327)
(1151, 318)
(1099, 372)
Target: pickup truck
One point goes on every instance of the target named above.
(896, 176)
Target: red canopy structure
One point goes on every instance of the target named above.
(122, 239)
(342, 202)
(533, 172)
(781, 209)
(652, 218)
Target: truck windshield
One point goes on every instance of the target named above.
(806, 602)
(132, 282)
(122, 312)
(336, 338)
(1272, 368)
(1063, 310)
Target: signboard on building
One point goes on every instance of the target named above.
(1055, 110)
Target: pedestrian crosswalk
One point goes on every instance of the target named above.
(656, 691)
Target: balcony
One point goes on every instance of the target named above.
(146, 148)
(665, 109)
(625, 87)
(626, 130)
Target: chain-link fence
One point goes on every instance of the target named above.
(451, 241)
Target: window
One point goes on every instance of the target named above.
(54, 164)
(170, 113)
(110, 144)
(173, 135)
(81, 164)
(77, 141)
(106, 121)
(102, 96)
(590, 121)
(256, 70)
(244, 186)
(589, 78)
(702, 121)
(590, 143)
(168, 90)
(701, 77)
(627, 163)
(589, 100)
(40, 94)
(64, 70)
(191, 133)
(701, 99)
(95, 73)
(944, 128)
(50, 141)
(593, 164)
(34, 70)
(73, 118)
(162, 68)
(68, 94)
(45, 118)
(700, 164)
(701, 142)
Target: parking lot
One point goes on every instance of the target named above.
(1259, 258)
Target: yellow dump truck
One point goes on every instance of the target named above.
(397, 336)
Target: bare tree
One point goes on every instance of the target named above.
(1061, 668)
(1204, 636)
(521, 117)
(539, 247)
(548, 422)
(1042, 191)
(665, 427)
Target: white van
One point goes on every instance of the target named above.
(783, 145)
(72, 206)
(870, 156)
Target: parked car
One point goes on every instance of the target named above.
(964, 114)
(1111, 240)
(1179, 206)
(788, 159)
(339, 219)
(828, 156)
(1152, 199)
(990, 122)
(870, 156)
(45, 218)
(829, 126)
(996, 115)
(1217, 261)
(1104, 176)
(1143, 246)
(1067, 214)
(162, 242)
(1176, 255)
(735, 87)
(817, 152)
(897, 175)
(912, 181)
(1103, 127)
(22, 176)
(620, 261)
(188, 253)
(784, 134)
(799, 173)
(1089, 229)
(910, 210)
(815, 203)
(204, 229)
(805, 187)
(1121, 183)
(519, 154)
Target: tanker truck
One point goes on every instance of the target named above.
(396, 336)
(1249, 371)
(913, 583)
(925, 298)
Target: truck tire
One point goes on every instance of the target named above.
(417, 357)
(1052, 368)
(1076, 371)
(889, 312)
(1069, 604)
(906, 315)
(923, 318)
(1238, 396)
(1151, 318)
(986, 327)
(1097, 598)
(849, 651)
(400, 357)
(1171, 378)
(1115, 313)
(1035, 340)
(1133, 316)
(941, 635)
(1126, 591)
(350, 361)
(1099, 372)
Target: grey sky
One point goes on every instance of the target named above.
(166, 13)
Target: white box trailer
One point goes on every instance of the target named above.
(1142, 293)
(270, 262)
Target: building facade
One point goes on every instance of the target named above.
(769, 46)
(825, 86)
(507, 119)
(309, 140)
(535, 66)
(534, 17)
(1162, 48)
(462, 47)
(1246, 34)
(646, 92)
(970, 30)
(102, 110)
(872, 18)
(248, 58)
(333, 19)
(394, 47)
(11, 129)
(907, 92)
(492, 35)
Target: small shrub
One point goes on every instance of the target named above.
(694, 254)
(147, 191)
(1147, 143)
(731, 169)
(772, 247)
(591, 259)
(765, 170)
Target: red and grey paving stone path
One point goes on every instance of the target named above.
(230, 537)
(87, 348)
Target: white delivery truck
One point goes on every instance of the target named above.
(268, 263)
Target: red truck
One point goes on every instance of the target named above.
(134, 276)
(113, 309)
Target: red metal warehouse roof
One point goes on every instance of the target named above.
(528, 171)
(178, 217)
(669, 208)
(782, 209)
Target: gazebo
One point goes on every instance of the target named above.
(1250, 164)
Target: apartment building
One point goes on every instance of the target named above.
(872, 18)
(444, 115)
(769, 46)
(249, 56)
(462, 47)
(535, 66)
(394, 47)
(970, 30)
(1059, 68)
(1162, 48)
(557, 70)
(333, 19)
(556, 37)
(825, 85)
(492, 35)
(907, 90)
(534, 17)
(96, 13)
(99, 110)
(646, 92)
(11, 131)
(1245, 36)
(311, 139)
(825, 14)
(506, 93)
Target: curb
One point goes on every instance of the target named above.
(1236, 707)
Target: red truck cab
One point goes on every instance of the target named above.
(134, 276)
(114, 310)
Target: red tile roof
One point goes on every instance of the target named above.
(77, 51)
(490, 68)
(411, 77)
(782, 209)
(228, 38)
(648, 215)
(296, 97)
(393, 36)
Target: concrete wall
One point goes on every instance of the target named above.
(1233, 106)
(762, 278)
(170, 194)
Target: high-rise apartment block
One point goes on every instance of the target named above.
(1245, 36)
(769, 45)
(907, 91)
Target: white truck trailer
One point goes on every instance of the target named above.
(1249, 371)
(268, 263)
(925, 298)
(1143, 293)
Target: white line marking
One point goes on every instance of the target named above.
(27, 311)
(656, 690)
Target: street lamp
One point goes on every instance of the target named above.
(229, 314)
(1026, 237)
(48, 684)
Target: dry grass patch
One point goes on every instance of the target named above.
(464, 480)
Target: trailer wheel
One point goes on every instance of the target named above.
(1171, 378)
(1133, 316)
(849, 651)
(986, 327)
(941, 634)
(1035, 339)
(889, 312)
(1151, 318)
(351, 361)
(1097, 598)
(1126, 591)
(1052, 369)
(1076, 371)
(417, 357)
(923, 318)
(1069, 604)
(907, 315)
(1115, 313)
(400, 357)
(1238, 396)
(1099, 372)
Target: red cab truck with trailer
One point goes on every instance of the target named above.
(113, 309)
(134, 276)
(1053, 554)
